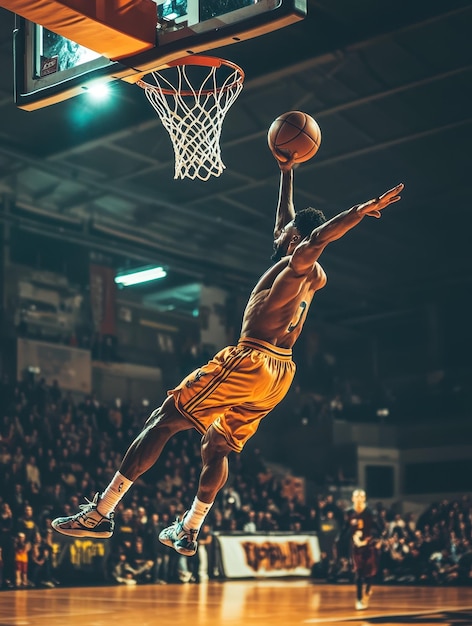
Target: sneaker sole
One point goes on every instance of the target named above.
(78, 532)
(184, 551)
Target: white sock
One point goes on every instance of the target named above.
(196, 515)
(116, 489)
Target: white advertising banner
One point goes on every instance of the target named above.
(245, 556)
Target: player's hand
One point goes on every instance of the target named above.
(374, 207)
(285, 160)
(356, 538)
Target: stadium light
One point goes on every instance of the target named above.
(142, 275)
(98, 91)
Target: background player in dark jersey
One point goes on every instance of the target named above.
(361, 526)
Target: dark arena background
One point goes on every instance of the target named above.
(382, 397)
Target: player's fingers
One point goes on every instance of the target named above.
(385, 200)
(391, 192)
(395, 189)
(280, 156)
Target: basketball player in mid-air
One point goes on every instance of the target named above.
(226, 399)
(364, 533)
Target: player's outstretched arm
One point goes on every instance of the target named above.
(339, 225)
(309, 250)
(285, 207)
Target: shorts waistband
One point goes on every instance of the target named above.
(263, 346)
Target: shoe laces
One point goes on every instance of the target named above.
(189, 535)
(87, 507)
(177, 521)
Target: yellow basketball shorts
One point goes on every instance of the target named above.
(236, 389)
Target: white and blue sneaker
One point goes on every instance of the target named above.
(87, 523)
(183, 541)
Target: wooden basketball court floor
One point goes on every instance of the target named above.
(235, 603)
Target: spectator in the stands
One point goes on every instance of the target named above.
(158, 552)
(249, 520)
(125, 528)
(267, 523)
(397, 526)
(27, 525)
(141, 561)
(329, 504)
(203, 561)
(6, 545)
(122, 571)
(21, 549)
(39, 566)
(311, 522)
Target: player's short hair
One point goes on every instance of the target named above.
(359, 492)
(306, 220)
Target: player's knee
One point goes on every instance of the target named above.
(214, 446)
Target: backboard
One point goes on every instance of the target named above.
(50, 68)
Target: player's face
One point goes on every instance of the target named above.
(283, 245)
(358, 499)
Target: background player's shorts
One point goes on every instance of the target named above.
(236, 389)
(365, 560)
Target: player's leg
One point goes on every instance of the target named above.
(214, 474)
(144, 451)
(359, 592)
(183, 533)
(359, 582)
(367, 590)
(370, 570)
(95, 519)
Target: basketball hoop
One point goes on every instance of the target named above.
(193, 115)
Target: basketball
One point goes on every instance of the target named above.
(294, 132)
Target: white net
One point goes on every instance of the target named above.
(193, 115)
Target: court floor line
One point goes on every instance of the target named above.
(365, 615)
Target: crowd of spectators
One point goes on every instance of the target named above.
(55, 450)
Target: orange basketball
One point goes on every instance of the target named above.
(294, 132)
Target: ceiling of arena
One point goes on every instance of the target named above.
(390, 85)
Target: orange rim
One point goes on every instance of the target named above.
(203, 61)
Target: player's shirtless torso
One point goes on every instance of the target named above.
(279, 303)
